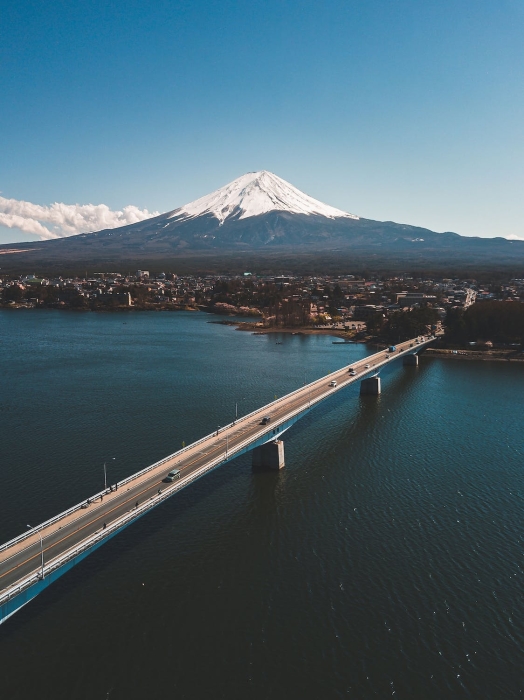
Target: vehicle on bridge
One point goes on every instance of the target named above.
(173, 475)
(32, 561)
(392, 348)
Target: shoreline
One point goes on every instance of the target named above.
(293, 330)
(255, 329)
(116, 309)
(439, 353)
(482, 356)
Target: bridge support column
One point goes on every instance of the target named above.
(410, 360)
(370, 386)
(269, 456)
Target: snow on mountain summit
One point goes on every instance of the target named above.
(253, 194)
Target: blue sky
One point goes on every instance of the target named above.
(401, 110)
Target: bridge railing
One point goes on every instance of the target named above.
(178, 453)
(26, 535)
(123, 521)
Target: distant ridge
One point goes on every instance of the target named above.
(262, 215)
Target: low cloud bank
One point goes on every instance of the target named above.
(59, 220)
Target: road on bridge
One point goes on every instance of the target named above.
(22, 557)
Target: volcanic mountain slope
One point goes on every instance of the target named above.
(255, 210)
(255, 194)
(261, 212)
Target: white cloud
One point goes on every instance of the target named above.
(27, 225)
(59, 220)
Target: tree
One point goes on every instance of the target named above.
(498, 321)
(13, 293)
(337, 292)
(375, 323)
(403, 325)
(456, 329)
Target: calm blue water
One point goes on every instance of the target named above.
(386, 559)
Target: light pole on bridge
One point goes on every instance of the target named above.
(105, 474)
(236, 407)
(41, 550)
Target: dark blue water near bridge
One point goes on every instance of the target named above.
(386, 559)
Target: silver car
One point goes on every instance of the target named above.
(173, 475)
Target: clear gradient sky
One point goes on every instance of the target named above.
(403, 110)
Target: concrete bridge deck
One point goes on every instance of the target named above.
(33, 560)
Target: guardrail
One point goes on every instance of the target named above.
(135, 513)
(127, 519)
(38, 528)
(78, 506)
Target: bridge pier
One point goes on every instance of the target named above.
(269, 456)
(370, 386)
(410, 360)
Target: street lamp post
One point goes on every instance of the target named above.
(41, 551)
(105, 475)
(236, 407)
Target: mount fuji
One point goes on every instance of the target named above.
(255, 194)
(256, 210)
(262, 214)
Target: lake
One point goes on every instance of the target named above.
(386, 559)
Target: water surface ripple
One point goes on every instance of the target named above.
(384, 560)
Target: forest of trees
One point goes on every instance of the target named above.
(497, 321)
(402, 325)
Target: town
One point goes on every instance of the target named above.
(281, 300)
(389, 308)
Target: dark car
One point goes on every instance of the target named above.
(265, 420)
(174, 474)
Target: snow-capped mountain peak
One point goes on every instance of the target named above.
(253, 194)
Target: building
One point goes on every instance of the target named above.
(362, 313)
(415, 298)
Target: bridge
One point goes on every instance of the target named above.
(36, 558)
